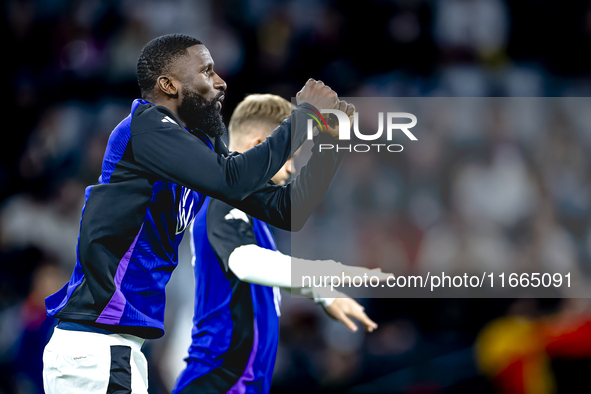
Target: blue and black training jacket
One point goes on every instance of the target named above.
(155, 176)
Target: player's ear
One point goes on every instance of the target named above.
(252, 143)
(168, 86)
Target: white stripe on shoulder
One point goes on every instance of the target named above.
(237, 214)
(167, 119)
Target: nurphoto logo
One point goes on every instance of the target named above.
(345, 128)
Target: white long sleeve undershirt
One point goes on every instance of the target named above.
(253, 264)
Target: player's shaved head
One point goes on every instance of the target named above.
(177, 71)
(256, 117)
(157, 57)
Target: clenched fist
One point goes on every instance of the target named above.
(317, 94)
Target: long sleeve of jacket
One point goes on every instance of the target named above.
(168, 151)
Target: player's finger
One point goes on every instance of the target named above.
(350, 110)
(369, 324)
(347, 107)
(346, 321)
(310, 83)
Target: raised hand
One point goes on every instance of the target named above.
(332, 121)
(318, 94)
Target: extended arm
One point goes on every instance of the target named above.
(232, 238)
(266, 267)
(168, 151)
(253, 264)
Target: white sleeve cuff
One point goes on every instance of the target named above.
(320, 295)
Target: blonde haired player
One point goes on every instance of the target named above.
(238, 273)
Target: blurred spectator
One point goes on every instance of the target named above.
(51, 225)
(26, 329)
(502, 185)
(533, 349)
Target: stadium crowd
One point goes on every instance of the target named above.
(72, 66)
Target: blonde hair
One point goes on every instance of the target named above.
(256, 112)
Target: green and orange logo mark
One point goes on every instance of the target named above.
(318, 120)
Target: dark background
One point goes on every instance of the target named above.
(69, 73)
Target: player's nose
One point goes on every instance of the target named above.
(219, 83)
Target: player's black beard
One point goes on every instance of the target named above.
(202, 114)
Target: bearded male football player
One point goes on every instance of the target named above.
(160, 163)
(238, 274)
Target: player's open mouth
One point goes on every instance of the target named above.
(220, 99)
